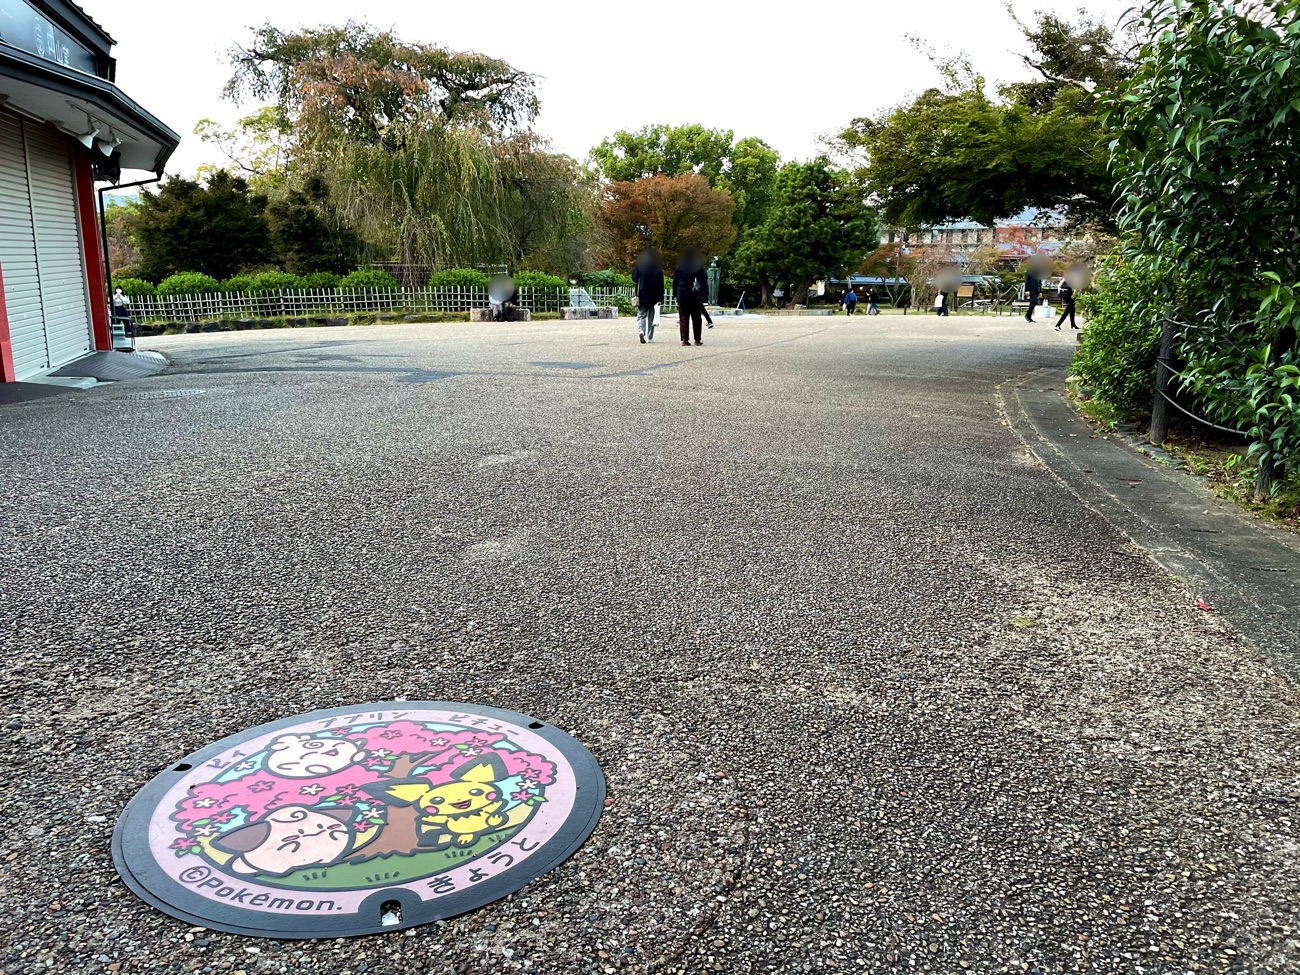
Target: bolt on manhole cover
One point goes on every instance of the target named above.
(359, 820)
(166, 394)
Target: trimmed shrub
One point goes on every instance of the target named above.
(605, 279)
(188, 283)
(1117, 357)
(237, 285)
(321, 280)
(130, 271)
(134, 287)
(269, 281)
(369, 278)
(459, 277)
(539, 279)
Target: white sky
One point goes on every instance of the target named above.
(787, 74)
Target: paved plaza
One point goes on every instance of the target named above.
(873, 692)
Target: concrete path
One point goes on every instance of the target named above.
(873, 692)
(1233, 562)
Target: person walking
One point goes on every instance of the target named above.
(1067, 299)
(648, 280)
(851, 301)
(1033, 292)
(872, 298)
(690, 286)
(941, 304)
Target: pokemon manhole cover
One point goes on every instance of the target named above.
(358, 820)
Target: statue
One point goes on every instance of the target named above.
(715, 281)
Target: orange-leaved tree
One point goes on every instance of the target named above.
(664, 212)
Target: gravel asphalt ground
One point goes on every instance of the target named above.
(871, 691)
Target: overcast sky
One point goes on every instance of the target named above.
(787, 74)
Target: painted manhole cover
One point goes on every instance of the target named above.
(357, 820)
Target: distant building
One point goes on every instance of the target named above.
(64, 125)
(1018, 238)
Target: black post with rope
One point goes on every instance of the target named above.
(1164, 371)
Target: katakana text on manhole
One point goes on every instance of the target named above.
(358, 820)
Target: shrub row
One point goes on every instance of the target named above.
(192, 282)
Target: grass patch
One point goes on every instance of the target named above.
(1231, 475)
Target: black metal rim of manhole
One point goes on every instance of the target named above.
(358, 820)
(166, 394)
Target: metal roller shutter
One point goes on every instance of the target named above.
(59, 259)
(18, 254)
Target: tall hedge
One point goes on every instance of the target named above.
(1117, 357)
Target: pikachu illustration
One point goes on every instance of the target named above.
(459, 810)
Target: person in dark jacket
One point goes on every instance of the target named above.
(872, 298)
(1067, 299)
(1033, 292)
(690, 287)
(851, 301)
(648, 280)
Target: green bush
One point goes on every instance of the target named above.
(539, 279)
(134, 287)
(131, 271)
(237, 285)
(369, 278)
(1118, 355)
(605, 279)
(459, 277)
(321, 280)
(188, 283)
(269, 281)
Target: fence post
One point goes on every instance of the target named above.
(1164, 371)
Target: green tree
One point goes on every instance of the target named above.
(436, 200)
(119, 215)
(818, 224)
(215, 229)
(307, 233)
(668, 149)
(959, 152)
(750, 178)
(542, 204)
(1204, 151)
(259, 148)
(746, 169)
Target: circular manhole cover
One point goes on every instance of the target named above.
(359, 820)
(167, 394)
